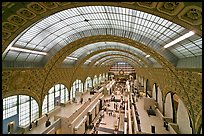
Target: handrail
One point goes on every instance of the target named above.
(119, 118)
(129, 118)
(84, 109)
(52, 126)
(76, 113)
(93, 107)
(134, 119)
(76, 127)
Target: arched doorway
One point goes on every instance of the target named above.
(148, 89)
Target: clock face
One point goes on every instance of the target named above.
(121, 72)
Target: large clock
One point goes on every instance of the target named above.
(121, 72)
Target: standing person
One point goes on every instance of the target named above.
(107, 110)
(81, 100)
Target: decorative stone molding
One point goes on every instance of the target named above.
(49, 5)
(150, 5)
(170, 8)
(36, 7)
(6, 26)
(16, 20)
(63, 3)
(129, 3)
(5, 35)
(25, 13)
(191, 15)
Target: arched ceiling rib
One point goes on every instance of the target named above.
(116, 58)
(101, 60)
(82, 60)
(56, 31)
(112, 61)
(85, 50)
(103, 54)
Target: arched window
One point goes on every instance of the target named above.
(104, 76)
(24, 107)
(88, 84)
(9, 106)
(44, 106)
(58, 93)
(95, 81)
(51, 99)
(24, 110)
(77, 87)
(154, 92)
(168, 106)
(64, 94)
(183, 119)
(100, 79)
(159, 100)
(71, 94)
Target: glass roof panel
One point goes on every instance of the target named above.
(109, 61)
(145, 28)
(85, 50)
(99, 55)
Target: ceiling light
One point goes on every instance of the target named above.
(88, 60)
(26, 50)
(147, 56)
(121, 63)
(180, 39)
(72, 58)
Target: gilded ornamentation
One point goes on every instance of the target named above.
(63, 3)
(49, 5)
(170, 5)
(128, 2)
(5, 35)
(16, 20)
(37, 8)
(170, 8)
(194, 14)
(147, 4)
(9, 27)
(11, 5)
(191, 15)
(25, 13)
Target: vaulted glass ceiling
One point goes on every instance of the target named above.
(56, 31)
(85, 50)
(106, 53)
(114, 58)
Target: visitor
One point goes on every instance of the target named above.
(30, 127)
(36, 123)
(81, 100)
